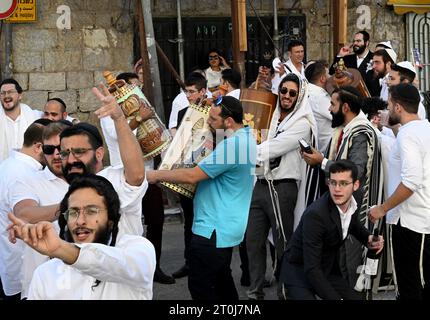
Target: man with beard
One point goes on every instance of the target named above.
(221, 202)
(93, 258)
(19, 165)
(360, 58)
(409, 190)
(383, 59)
(15, 117)
(355, 139)
(81, 151)
(282, 178)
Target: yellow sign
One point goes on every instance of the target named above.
(25, 12)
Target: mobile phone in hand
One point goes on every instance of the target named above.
(305, 146)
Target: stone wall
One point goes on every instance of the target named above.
(50, 62)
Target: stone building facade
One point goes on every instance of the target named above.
(66, 63)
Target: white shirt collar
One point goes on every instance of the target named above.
(345, 217)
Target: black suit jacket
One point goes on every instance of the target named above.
(351, 62)
(314, 248)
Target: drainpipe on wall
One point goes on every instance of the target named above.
(180, 42)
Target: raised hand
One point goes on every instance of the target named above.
(110, 107)
(41, 236)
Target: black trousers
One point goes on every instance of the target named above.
(188, 209)
(406, 254)
(153, 211)
(210, 276)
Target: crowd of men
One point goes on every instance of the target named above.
(71, 228)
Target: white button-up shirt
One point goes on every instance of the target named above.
(17, 166)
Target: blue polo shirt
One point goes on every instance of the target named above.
(222, 202)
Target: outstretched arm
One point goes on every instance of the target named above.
(129, 148)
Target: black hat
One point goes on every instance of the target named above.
(83, 127)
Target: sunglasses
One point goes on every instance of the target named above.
(50, 149)
(213, 57)
(291, 92)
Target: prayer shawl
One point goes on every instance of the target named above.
(307, 192)
(373, 182)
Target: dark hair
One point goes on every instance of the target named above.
(103, 188)
(344, 165)
(127, 76)
(371, 105)
(43, 121)
(295, 43)
(196, 79)
(315, 70)
(218, 52)
(231, 107)
(351, 96)
(405, 74)
(33, 134)
(54, 129)
(385, 56)
(86, 129)
(12, 81)
(290, 77)
(232, 76)
(406, 95)
(365, 34)
(60, 101)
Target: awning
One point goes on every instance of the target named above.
(404, 6)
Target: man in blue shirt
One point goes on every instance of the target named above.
(221, 203)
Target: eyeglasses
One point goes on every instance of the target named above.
(77, 152)
(50, 149)
(291, 92)
(213, 58)
(90, 211)
(7, 93)
(342, 184)
(219, 103)
(190, 92)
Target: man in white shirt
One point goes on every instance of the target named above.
(319, 99)
(91, 259)
(81, 152)
(19, 165)
(15, 117)
(383, 59)
(231, 79)
(410, 194)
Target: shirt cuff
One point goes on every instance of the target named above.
(324, 163)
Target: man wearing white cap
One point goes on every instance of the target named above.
(404, 72)
(383, 59)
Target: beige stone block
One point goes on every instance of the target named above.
(22, 79)
(97, 59)
(26, 61)
(70, 97)
(95, 39)
(123, 59)
(88, 101)
(25, 39)
(83, 19)
(35, 99)
(48, 81)
(106, 5)
(70, 39)
(79, 79)
(63, 60)
(75, 5)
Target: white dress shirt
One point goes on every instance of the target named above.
(411, 160)
(319, 99)
(17, 166)
(126, 272)
(180, 102)
(345, 217)
(12, 131)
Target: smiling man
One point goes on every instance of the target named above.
(93, 258)
(311, 263)
(15, 117)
